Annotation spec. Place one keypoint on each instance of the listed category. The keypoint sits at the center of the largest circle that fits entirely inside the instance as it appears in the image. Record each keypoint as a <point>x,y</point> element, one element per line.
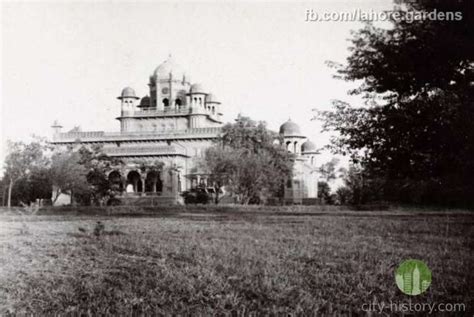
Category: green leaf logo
<point>413,277</point>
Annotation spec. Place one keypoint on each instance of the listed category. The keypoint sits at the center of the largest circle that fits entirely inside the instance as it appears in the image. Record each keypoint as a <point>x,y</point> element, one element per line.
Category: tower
<point>56,127</point>
<point>213,105</point>
<point>292,136</point>
<point>416,281</point>
<point>309,151</point>
<point>196,99</point>
<point>168,86</point>
<point>127,99</point>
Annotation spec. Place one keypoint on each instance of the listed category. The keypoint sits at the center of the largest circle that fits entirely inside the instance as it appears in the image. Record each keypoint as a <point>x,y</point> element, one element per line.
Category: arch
<point>166,102</point>
<point>213,110</point>
<point>153,182</point>
<point>296,147</point>
<point>288,143</point>
<point>115,180</point>
<point>178,102</point>
<point>135,180</point>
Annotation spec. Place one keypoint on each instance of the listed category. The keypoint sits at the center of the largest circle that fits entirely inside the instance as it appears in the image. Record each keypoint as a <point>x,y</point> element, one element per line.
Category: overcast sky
<point>69,61</point>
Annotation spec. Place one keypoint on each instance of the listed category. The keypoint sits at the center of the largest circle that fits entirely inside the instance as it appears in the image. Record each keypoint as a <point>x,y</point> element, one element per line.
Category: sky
<point>70,60</point>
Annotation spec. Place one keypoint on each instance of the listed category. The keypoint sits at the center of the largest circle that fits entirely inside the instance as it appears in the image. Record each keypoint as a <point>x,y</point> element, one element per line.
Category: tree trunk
<point>216,189</point>
<point>56,195</point>
<point>10,186</point>
<point>4,197</point>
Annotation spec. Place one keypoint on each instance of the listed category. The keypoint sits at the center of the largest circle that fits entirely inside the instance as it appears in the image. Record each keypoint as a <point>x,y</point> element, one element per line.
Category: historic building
<point>173,126</point>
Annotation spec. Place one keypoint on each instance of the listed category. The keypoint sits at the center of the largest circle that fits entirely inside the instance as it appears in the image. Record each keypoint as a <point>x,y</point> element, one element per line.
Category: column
<point>124,185</point>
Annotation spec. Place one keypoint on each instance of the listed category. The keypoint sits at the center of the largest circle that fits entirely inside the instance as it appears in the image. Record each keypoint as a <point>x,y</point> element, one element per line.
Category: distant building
<point>174,125</point>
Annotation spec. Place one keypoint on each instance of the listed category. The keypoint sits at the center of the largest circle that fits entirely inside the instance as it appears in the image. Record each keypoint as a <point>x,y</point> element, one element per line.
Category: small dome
<point>197,89</point>
<point>308,146</point>
<point>289,128</point>
<point>128,92</point>
<point>168,69</point>
<point>210,98</point>
<point>145,102</point>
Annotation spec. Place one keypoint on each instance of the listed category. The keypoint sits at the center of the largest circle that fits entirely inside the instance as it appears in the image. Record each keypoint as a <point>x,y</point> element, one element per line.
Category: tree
<point>416,129</point>
<point>68,175</point>
<point>328,170</point>
<point>97,165</point>
<point>22,160</point>
<point>324,193</point>
<point>83,173</point>
<point>343,195</point>
<point>248,161</point>
<point>35,185</point>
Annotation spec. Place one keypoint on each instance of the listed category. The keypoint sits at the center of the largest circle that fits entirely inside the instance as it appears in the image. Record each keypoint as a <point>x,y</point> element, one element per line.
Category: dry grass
<point>228,262</point>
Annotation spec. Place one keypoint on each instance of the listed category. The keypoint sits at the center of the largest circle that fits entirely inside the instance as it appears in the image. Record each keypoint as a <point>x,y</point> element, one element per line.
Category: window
<point>166,102</point>
<point>178,102</point>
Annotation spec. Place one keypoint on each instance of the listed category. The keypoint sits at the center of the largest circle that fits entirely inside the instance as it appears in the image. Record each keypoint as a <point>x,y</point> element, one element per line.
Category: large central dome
<point>169,69</point>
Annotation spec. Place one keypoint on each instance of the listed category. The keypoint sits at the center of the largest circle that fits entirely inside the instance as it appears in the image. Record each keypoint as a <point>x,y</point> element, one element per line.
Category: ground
<point>225,260</point>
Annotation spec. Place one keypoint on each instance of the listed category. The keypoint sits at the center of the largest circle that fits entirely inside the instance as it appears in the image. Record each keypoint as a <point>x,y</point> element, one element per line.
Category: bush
<point>196,196</point>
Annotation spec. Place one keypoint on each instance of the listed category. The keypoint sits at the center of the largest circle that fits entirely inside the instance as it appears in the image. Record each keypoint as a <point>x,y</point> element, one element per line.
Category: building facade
<point>171,127</point>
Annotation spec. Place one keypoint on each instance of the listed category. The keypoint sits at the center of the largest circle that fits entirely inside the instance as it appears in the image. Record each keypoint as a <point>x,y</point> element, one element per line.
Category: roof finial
<point>56,124</point>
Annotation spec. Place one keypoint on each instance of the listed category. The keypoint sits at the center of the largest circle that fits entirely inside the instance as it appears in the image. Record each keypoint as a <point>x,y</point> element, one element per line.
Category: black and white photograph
<point>237,158</point>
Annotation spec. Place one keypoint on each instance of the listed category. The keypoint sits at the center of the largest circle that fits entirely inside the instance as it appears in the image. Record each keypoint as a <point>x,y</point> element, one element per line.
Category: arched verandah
<point>115,179</point>
<point>134,179</point>
<point>153,183</point>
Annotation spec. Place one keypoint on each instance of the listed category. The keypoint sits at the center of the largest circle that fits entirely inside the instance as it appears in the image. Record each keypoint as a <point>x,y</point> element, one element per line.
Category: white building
<point>173,125</point>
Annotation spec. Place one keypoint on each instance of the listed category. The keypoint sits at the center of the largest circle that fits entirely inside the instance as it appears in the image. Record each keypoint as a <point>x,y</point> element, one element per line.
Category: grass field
<point>199,261</point>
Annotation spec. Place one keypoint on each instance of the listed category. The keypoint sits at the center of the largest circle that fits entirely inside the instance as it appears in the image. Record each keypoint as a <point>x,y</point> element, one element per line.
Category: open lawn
<point>221,261</point>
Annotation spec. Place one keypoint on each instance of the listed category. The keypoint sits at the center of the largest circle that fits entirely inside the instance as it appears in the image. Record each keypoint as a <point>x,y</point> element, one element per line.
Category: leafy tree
<point>343,195</point>
<point>328,170</point>
<point>324,193</point>
<point>98,164</point>
<point>248,161</point>
<point>68,175</point>
<point>83,173</point>
<point>22,161</point>
<point>35,185</point>
<point>416,129</point>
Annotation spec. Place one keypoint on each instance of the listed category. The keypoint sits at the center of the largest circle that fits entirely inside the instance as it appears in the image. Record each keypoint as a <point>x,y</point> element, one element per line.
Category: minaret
<point>56,128</point>
<point>214,105</point>
<point>197,102</point>
<point>127,102</point>
<point>128,99</point>
<point>197,97</point>
<point>292,136</point>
